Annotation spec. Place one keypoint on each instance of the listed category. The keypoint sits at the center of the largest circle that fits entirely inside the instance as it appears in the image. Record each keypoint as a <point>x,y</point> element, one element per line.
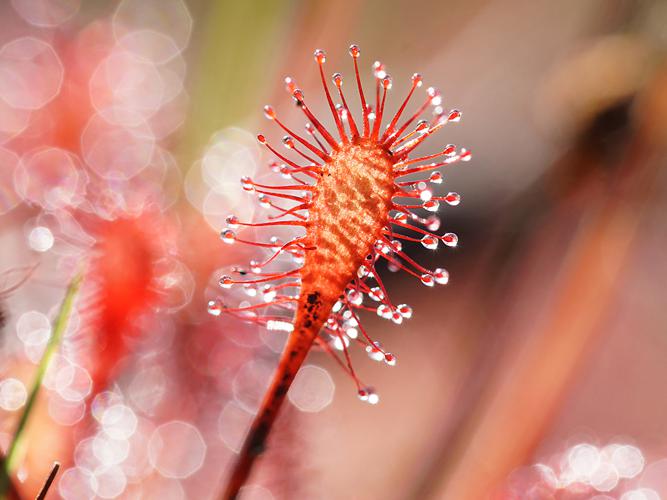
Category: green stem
<point>59,326</point>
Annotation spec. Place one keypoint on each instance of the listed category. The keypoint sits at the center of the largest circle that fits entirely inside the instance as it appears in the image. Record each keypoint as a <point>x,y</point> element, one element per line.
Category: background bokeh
<point>537,373</point>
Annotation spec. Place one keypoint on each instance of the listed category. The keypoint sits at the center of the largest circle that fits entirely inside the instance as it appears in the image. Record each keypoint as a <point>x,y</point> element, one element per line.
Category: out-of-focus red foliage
<point>124,271</point>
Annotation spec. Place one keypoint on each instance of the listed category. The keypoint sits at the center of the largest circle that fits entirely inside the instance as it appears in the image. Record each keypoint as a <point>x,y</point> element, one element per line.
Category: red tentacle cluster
<point>357,199</point>
<point>122,286</point>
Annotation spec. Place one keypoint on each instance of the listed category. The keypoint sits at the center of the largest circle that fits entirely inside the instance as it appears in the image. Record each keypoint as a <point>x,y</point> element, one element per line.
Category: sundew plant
<point>355,194</point>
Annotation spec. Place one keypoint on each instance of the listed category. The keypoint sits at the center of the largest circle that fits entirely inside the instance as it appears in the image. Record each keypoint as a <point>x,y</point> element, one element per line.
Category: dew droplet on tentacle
<point>290,84</point>
<point>247,184</point>
<point>453,199</point>
<point>320,56</point>
<point>429,241</point>
<point>465,155</point>
<point>232,221</point>
<point>228,236</point>
<point>263,201</point>
<point>426,195</point>
<point>340,343</point>
<point>435,178</point>
<point>384,311</point>
<point>432,222</point>
<point>355,297</point>
<point>374,351</point>
<point>387,82</point>
<point>269,112</point>
<point>373,398</point>
<point>431,205</point>
<point>376,294</point>
<point>401,217</point>
<point>405,310</point>
<point>450,239</point>
<point>276,242</point>
<point>441,276</point>
<point>435,95</point>
<point>379,70</point>
<point>351,332</point>
<point>393,267</point>
<point>225,281</point>
<point>269,293</point>
<point>396,317</point>
<point>297,94</point>
<point>214,307</point>
<point>427,279</point>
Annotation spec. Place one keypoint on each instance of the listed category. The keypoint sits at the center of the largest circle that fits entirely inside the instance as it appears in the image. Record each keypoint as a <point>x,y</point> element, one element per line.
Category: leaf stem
<point>59,326</point>
<point>311,314</point>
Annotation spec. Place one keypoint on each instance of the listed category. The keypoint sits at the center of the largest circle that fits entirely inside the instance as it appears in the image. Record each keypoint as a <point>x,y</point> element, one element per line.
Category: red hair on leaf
<point>355,204</point>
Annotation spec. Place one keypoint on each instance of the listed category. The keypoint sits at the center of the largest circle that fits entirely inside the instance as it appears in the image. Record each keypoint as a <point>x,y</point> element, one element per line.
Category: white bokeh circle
<point>46,13</point>
<point>31,73</point>
<point>176,449</point>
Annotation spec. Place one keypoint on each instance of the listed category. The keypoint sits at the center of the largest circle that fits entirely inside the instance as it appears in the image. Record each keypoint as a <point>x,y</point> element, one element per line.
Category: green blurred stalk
<point>233,52</point>
<point>59,326</point>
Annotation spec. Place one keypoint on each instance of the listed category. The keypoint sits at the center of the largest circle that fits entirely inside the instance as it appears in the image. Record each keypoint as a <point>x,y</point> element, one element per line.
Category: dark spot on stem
<point>282,389</point>
<point>257,444</point>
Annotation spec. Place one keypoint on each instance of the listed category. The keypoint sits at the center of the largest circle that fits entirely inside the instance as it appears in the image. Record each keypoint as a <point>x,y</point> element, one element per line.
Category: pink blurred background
<point>537,373</point>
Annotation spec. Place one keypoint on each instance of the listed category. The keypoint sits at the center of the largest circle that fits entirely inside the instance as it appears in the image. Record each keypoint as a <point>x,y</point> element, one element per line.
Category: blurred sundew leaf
<point>59,325</point>
<point>231,60</point>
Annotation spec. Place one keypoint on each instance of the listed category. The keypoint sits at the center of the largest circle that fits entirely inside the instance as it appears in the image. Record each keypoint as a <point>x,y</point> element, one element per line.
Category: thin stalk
<point>59,326</point>
<point>49,481</point>
<point>310,317</point>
